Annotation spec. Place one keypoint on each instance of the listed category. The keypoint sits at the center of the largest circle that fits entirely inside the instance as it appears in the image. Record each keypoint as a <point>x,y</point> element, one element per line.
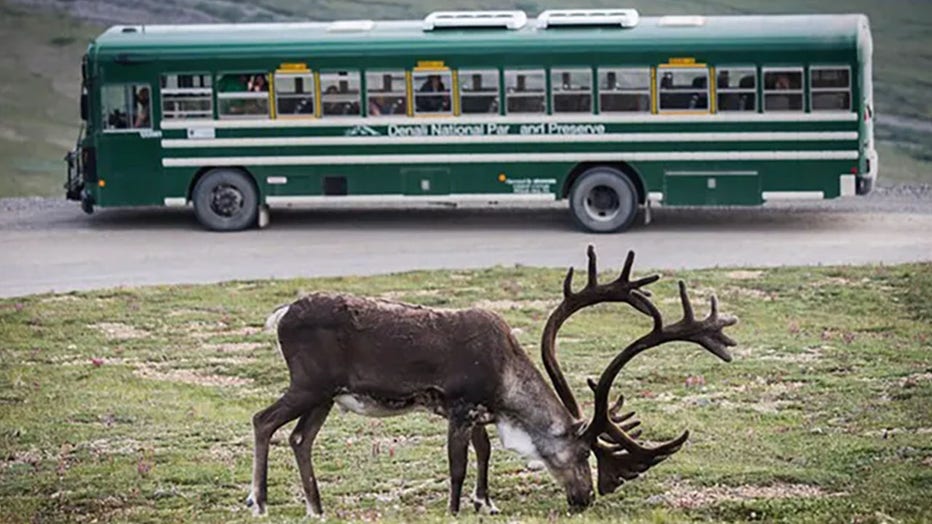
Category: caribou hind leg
<point>302,440</point>
<point>265,423</point>
<point>480,442</point>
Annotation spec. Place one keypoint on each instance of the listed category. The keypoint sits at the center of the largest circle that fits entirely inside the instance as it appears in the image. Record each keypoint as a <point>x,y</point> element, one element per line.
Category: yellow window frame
<point>655,88</point>
<point>436,66</point>
<point>294,71</point>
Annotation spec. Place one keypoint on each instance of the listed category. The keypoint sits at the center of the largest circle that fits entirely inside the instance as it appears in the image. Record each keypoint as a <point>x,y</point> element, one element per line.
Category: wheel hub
<point>602,203</point>
<point>226,200</point>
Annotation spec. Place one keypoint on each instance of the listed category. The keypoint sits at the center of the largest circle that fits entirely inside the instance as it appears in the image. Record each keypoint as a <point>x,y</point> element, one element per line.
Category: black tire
<point>603,200</point>
<point>226,200</point>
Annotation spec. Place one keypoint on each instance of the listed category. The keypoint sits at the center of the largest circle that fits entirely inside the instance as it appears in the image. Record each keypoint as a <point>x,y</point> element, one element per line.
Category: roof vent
<point>681,21</point>
<point>474,19</point>
<point>582,17</point>
<point>350,26</point>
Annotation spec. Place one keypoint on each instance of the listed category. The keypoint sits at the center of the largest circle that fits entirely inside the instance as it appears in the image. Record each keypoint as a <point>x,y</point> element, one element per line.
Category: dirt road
<point>50,245</point>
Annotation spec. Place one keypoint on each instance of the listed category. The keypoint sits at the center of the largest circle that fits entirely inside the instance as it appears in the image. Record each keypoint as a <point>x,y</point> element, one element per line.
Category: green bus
<point>612,111</point>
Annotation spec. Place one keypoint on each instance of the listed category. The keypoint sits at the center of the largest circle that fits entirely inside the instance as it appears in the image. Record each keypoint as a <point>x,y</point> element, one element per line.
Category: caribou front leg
<point>480,442</point>
<point>458,453</point>
<point>302,440</point>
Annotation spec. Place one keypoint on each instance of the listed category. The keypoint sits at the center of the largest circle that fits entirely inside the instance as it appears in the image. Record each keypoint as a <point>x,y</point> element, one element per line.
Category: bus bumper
<point>865,182</point>
<point>87,202</point>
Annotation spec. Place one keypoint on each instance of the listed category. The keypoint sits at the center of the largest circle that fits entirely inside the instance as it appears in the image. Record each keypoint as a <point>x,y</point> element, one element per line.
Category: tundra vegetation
<point>136,404</point>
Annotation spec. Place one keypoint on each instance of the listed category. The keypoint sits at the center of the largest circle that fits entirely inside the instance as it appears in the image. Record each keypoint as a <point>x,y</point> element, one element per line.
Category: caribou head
<point>610,435</point>
<point>381,358</point>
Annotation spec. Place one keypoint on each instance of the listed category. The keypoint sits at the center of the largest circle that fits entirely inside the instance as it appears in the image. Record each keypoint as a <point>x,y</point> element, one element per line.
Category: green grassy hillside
<point>134,405</point>
<point>39,81</point>
<point>39,69</point>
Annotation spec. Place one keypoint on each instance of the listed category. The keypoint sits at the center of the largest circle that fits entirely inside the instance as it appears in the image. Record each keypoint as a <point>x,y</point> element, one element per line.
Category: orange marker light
<point>502,177</point>
<point>102,183</point>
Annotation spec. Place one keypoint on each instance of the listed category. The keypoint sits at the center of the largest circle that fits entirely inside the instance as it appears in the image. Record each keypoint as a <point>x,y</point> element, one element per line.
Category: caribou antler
<point>622,289</point>
<point>620,457</point>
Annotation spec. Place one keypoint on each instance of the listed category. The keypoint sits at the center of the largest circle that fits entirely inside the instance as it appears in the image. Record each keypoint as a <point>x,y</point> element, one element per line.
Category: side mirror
<point>84,110</point>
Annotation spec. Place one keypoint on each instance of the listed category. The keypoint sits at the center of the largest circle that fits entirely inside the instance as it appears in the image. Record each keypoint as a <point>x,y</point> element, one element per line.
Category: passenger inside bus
<point>433,103</point>
<point>142,108</point>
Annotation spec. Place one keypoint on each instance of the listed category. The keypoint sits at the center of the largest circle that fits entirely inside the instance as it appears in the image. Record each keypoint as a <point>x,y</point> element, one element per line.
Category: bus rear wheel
<point>603,200</point>
<point>226,200</point>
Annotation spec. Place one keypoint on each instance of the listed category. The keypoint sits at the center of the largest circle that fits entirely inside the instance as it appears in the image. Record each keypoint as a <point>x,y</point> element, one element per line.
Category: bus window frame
<point>758,80</point>
<point>461,75</point>
<point>321,74</point>
<point>405,92</point>
<point>609,92</point>
<point>209,91</point>
<point>270,95</point>
<point>526,94</point>
<point>813,90</point>
<point>273,91</point>
<point>559,70</point>
<point>124,130</point>
<point>801,91</point>
<point>709,91</point>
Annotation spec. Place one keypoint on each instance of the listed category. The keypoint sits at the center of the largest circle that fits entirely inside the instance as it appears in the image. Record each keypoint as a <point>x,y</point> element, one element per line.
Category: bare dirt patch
<point>511,305</point>
<point>401,294</point>
<point>186,376</point>
<point>235,347</point>
<point>744,274</point>
<point>119,330</point>
<point>684,496</point>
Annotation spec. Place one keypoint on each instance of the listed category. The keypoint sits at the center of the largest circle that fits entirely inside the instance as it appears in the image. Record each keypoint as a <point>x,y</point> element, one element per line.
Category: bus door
<point>128,146</point>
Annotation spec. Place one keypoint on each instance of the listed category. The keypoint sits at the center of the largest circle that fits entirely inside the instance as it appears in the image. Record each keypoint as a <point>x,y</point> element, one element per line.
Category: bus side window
<point>386,93</point>
<point>783,89</point>
<point>830,88</point>
<point>684,88</point>
<point>243,95</point>
<point>294,94</point>
<point>478,91</point>
<point>339,93</point>
<point>571,90</point>
<point>433,92</point>
<point>624,89</point>
<point>126,106</point>
<point>187,96</point>
<point>736,88</point>
<point>525,91</point>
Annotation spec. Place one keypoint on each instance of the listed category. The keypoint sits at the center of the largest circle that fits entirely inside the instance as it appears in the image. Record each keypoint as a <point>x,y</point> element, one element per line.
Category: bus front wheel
<point>225,200</point>
<point>603,200</point>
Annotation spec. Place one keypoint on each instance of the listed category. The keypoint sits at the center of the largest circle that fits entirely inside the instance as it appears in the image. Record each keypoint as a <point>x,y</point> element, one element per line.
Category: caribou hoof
<point>484,505</point>
<point>258,510</point>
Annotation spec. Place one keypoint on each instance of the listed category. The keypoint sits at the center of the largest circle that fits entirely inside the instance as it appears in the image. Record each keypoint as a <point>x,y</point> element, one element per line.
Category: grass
<point>40,68</point>
<point>135,404</point>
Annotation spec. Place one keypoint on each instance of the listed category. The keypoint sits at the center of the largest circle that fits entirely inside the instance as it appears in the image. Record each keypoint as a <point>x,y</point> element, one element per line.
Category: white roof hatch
<point>625,18</point>
<point>474,19</point>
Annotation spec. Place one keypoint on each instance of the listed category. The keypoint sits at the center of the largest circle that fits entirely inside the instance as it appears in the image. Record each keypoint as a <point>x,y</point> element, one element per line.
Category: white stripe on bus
<point>792,195</point>
<point>178,143</point>
<point>473,158</point>
<point>641,118</point>
<point>273,200</point>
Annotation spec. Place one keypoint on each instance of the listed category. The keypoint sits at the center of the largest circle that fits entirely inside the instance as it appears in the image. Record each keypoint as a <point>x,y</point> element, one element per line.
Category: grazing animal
<point>379,358</point>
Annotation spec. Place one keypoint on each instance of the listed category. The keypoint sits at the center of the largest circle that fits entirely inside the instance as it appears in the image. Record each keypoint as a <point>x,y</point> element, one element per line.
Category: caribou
<point>381,358</point>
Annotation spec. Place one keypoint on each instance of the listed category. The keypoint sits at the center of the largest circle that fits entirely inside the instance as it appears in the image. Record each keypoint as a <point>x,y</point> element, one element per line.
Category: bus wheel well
<point>204,170</point>
<point>624,167</point>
